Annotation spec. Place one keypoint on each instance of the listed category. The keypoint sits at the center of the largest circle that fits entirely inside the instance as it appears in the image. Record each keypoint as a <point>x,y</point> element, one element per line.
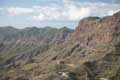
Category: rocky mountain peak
<point>95,31</point>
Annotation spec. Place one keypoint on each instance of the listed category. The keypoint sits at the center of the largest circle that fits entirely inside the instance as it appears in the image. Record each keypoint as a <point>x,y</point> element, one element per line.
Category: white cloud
<point>111,12</point>
<point>78,13</point>
<point>70,10</point>
<point>40,17</point>
<point>48,16</point>
<point>1,9</point>
<point>47,13</point>
<point>75,11</point>
<point>19,10</point>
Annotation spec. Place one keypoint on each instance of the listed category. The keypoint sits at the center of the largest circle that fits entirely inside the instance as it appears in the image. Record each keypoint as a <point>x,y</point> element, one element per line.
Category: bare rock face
<point>94,31</point>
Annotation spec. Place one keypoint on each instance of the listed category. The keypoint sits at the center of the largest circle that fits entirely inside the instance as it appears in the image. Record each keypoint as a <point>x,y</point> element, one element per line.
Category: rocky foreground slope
<point>91,52</point>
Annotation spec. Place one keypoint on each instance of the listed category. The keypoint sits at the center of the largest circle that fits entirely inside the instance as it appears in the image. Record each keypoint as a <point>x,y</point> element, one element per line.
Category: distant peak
<point>64,28</point>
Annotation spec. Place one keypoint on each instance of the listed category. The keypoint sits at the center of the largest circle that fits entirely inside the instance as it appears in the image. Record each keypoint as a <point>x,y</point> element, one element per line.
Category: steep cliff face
<point>96,43</point>
<point>98,31</point>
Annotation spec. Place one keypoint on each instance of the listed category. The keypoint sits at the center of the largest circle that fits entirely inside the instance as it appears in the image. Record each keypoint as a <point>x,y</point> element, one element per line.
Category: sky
<point>54,13</point>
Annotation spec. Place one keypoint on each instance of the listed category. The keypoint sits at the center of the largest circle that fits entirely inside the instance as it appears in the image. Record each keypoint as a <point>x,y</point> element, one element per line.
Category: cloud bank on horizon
<point>18,12</point>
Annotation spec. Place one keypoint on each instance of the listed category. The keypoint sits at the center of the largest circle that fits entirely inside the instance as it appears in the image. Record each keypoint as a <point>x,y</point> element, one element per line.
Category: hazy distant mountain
<point>91,52</point>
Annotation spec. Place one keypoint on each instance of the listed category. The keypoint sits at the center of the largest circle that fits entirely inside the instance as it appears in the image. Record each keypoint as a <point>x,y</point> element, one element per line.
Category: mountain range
<point>90,52</point>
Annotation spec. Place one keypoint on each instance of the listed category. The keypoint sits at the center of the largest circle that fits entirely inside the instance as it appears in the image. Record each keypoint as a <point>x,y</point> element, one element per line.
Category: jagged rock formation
<point>91,52</point>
